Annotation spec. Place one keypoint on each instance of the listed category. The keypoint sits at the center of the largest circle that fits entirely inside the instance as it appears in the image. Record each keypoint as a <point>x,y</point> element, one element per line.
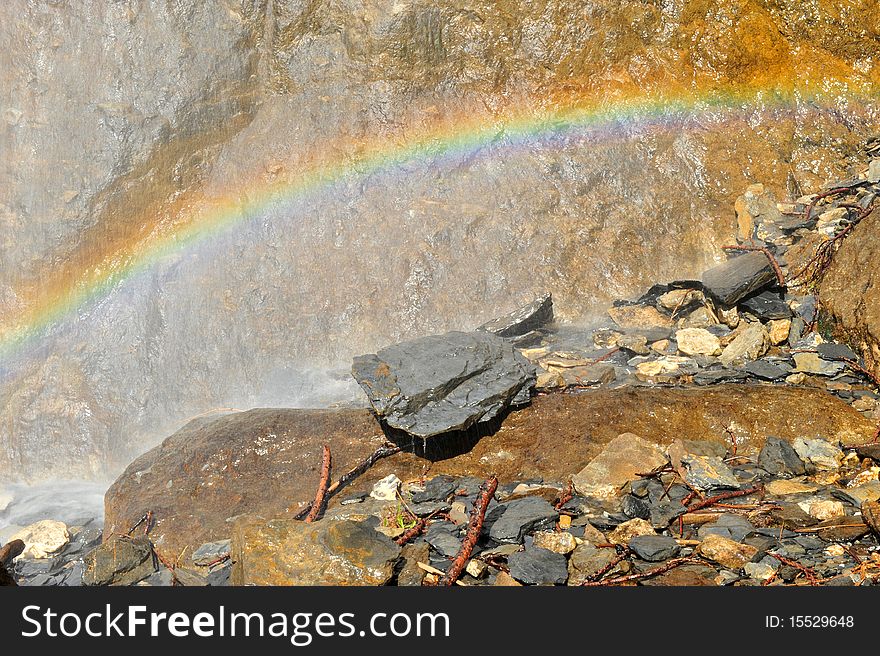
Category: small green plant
<point>399,517</point>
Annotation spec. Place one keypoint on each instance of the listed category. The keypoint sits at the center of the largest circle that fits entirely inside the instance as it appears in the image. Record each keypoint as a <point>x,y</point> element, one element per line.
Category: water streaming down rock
<point>205,204</point>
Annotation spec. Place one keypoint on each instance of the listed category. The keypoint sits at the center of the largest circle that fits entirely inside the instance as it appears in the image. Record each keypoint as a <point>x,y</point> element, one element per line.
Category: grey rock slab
<point>766,306</point>
<point>444,540</point>
<point>439,383</point>
<point>733,280</point>
<point>537,566</point>
<point>708,472</point>
<point>437,489</point>
<point>511,521</point>
<point>211,552</point>
<point>520,322</point>
<point>654,548</point>
<point>728,525</point>
<point>778,457</point>
<point>766,370</point>
<point>834,351</point>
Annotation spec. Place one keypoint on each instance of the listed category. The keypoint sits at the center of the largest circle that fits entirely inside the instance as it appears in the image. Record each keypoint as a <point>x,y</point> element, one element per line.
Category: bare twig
<point>382,452</point>
<point>668,565</point>
<point>722,497</point>
<point>780,277</point>
<point>323,486</point>
<point>475,525</point>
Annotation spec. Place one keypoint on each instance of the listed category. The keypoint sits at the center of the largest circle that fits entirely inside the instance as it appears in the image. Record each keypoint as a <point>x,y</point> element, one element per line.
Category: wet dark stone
<point>536,566</point>
<point>716,376</point>
<point>663,514</point>
<point>779,458</point>
<point>766,370</point>
<point>833,351</point>
<point>510,521</point>
<point>728,525</point>
<point>220,576</point>
<point>766,306</point>
<point>429,508</point>
<point>444,539</point>
<point>442,383</point>
<point>526,319</point>
<point>654,548</point>
<point>733,280</point>
<point>438,488</point>
<point>632,506</point>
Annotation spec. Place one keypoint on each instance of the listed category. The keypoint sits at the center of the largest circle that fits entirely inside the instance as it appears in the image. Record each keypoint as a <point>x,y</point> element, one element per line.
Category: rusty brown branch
<point>811,575</point>
<point>669,565</point>
<point>382,452</point>
<point>780,277</point>
<point>323,486</point>
<point>475,525</point>
<point>610,565</point>
<point>722,497</point>
<point>409,534</point>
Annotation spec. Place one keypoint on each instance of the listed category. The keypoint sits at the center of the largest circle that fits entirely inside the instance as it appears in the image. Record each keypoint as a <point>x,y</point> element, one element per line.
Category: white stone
<point>822,510</point>
<point>42,539</point>
<point>386,489</point>
<point>821,454</point>
<point>697,341</point>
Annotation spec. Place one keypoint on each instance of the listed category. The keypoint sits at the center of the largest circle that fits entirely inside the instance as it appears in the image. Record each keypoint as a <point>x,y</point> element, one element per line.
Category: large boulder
<point>850,291</point>
<point>441,383</point>
<point>267,462</point>
<point>296,182</point>
<point>289,552</point>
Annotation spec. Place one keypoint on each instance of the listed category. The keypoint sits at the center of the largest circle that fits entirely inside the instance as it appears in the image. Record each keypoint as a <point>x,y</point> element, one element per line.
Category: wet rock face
<point>267,462</point>
<point>850,292</point>
<point>441,383</point>
<point>288,552</point>
<point>110,147</point>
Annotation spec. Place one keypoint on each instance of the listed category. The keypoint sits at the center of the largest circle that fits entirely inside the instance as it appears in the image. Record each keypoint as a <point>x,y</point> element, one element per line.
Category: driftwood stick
<point>323,485</point>
<point>410,533</point>
<point>475,525</point>
<point>382,452</point>
<point>705,503</point>
<point>671,564</point>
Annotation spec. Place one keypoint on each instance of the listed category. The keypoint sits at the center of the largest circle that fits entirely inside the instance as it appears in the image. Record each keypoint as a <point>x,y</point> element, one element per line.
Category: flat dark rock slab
<point>536,566</point>
<point>732,281</point>
<point>520,322</point>
<point>766,306</point>
<point>442,383</point>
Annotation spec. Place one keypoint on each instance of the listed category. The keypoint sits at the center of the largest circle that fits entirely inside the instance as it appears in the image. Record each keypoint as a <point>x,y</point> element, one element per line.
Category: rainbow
<point>454,138</point>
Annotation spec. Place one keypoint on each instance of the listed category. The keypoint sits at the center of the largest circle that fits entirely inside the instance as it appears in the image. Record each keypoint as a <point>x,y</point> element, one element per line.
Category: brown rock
<point>218,101</point>
<point>620,461</point>
<point>726,552</point>
<point>326,552</point>
<point>266,461</point>
<point>871,515</point>
<point>841,529</point>
<point>850,291</point>
<point>506,580</point>
<point>639,316</point>
<point>410,574</point>
<point>623,533</point>
<point>686,575</point>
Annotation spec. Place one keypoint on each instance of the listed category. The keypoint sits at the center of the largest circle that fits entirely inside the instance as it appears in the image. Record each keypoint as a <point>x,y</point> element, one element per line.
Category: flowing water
<point>216,205</point>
